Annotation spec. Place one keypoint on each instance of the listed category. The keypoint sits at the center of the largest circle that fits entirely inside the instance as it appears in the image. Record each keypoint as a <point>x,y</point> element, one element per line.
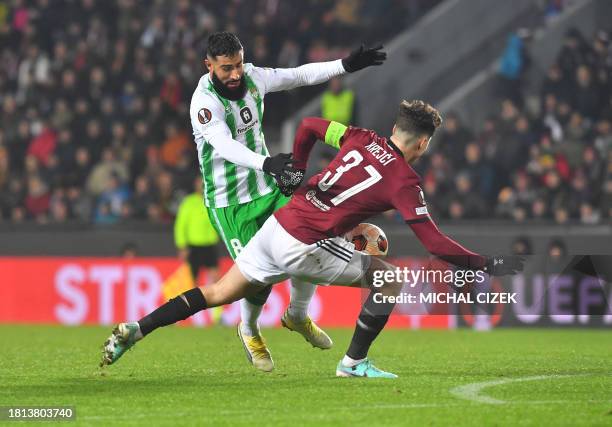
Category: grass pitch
<point>183,376</point>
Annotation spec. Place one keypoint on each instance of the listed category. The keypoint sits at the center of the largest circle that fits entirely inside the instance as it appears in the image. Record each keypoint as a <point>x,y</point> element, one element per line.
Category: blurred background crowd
<point>95,95</point>
<point>546,154</point>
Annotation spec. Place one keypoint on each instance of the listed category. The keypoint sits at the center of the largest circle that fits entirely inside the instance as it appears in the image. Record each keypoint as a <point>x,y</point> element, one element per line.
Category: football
<point>369,238</point>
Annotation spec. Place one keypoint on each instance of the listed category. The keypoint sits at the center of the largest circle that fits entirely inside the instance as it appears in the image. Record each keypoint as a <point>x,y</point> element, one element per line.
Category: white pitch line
<point>472,391</point>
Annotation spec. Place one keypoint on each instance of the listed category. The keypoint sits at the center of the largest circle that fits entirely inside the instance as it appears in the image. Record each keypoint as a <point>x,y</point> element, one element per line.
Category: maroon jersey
<point>368,176</point>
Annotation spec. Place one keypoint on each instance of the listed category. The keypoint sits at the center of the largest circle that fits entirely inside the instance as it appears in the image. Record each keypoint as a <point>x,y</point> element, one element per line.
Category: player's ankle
<point>249,329</point>
<point>298,314</point>
<point>349,362</point>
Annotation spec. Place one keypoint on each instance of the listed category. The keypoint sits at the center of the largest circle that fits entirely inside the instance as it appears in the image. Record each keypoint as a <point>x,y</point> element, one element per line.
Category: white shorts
<point>273,255</point>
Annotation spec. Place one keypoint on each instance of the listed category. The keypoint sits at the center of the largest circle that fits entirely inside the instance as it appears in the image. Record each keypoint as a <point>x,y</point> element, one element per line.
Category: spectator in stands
<point>606,199</point>
<point>525,194</point>
<point>512,154</point>
<point>467,203</point>
<point>37,199</point>
<point>513,64</point>
<point>5,173</point>
<point>557,250</point>
<point>129,250</point>
<point>522,245</point>
<point>481,173</point>
<point>78,78</point>
<point>586,96</point>
<point>575,51</point>
<point>539,210</point>
<point>167,198</point>
<point>58,206</point>
<point>105,171</point>
<point>555,84</point>
<point>603,136</point>
<point>142,197</point>
<point>43,144</point>
<point>14,200</point>
<point>175,145</point>
<point>453,139</point>
<point>113,198</point>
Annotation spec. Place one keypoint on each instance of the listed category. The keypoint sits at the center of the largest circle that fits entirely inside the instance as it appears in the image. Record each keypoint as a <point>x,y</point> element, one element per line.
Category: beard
<point>233,94</point>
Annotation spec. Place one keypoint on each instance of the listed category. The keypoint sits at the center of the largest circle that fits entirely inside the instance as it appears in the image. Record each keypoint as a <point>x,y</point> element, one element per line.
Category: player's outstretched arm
<point>277,79</point>
<point>363,57</point>
<point>442,246</point>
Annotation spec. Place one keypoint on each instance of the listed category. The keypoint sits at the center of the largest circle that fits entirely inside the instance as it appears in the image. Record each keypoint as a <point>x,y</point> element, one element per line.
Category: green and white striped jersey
<point>229,134</point>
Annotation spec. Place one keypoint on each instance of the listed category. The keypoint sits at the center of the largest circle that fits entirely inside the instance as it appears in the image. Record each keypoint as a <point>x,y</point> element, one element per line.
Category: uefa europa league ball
<point>368,238</point>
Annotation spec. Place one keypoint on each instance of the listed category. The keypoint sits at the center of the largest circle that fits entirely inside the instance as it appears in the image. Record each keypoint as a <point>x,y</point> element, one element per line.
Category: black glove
<point>288,185</point>
<point>287,178</point>
<point>504,265</point>
<point>362,57</point>
<point>277,165</point>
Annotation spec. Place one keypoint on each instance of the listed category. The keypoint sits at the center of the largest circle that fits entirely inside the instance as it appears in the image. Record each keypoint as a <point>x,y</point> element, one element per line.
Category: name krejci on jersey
<point>380,154</point>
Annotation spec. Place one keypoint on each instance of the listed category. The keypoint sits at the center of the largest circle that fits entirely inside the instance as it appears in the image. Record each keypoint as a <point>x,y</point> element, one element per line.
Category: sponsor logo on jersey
<point>246,115</point>
<point>245,129</point>
<point>312,198</point>
<point>204,116</point>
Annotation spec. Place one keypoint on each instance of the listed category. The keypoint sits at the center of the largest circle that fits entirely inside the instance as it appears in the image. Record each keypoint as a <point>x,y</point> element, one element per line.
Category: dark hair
<point>223,44</point>
<point>525,242</point>
<point>128,247</point>
<point>418,118</point>
<point>559,243</point>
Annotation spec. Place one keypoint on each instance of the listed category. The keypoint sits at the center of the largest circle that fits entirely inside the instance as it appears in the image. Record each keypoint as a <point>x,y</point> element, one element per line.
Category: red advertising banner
<point>75,291</point>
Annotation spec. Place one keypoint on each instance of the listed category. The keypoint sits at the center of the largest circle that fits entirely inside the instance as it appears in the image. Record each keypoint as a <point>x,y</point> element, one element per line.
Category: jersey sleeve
<point>312,129</point>
<point>409,200</point>
<point>277,79</point>
<point>208,120</point>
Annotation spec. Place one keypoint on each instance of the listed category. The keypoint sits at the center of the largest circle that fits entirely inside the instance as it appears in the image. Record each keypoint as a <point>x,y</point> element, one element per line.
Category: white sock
<point>349,362</point>
<point>301,294</point>
<point>138,335</point>
<point>249,314</point>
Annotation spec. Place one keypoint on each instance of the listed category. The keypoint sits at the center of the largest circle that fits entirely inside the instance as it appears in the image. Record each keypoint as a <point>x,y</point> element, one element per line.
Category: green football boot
<point>121,340</point>
<point>364,369</point>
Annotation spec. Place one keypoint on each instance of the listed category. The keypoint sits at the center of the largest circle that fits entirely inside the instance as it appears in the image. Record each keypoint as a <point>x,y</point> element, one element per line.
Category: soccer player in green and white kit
<point>240,191</point>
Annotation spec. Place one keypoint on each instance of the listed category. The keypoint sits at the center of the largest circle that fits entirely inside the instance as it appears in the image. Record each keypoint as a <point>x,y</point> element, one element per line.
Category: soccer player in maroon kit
<point>369,175</point>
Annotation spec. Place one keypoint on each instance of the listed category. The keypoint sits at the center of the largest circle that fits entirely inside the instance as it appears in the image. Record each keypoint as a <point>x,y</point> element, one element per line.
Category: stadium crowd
<point>545,160</point>
<point>95,94</point>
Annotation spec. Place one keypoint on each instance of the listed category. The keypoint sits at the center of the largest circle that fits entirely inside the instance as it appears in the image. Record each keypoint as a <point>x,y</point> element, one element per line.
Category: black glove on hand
<point>290,182</point>
<point>362,58</point>
<point>287,178</point>
<point>504,265</point>
<point>277,165</point>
